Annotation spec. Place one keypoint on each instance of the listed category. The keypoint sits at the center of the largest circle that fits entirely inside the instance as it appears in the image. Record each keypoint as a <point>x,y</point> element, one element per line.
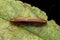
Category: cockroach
<point>22,20</point>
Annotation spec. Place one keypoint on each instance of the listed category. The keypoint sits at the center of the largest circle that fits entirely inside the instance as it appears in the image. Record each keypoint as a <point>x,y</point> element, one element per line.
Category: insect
<point>22,20</point>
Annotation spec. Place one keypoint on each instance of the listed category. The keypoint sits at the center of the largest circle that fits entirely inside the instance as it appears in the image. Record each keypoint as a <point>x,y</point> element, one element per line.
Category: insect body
<point>22,20</point>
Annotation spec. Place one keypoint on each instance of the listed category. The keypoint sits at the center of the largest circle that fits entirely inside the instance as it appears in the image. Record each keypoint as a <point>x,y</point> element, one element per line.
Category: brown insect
<point>21,20</point>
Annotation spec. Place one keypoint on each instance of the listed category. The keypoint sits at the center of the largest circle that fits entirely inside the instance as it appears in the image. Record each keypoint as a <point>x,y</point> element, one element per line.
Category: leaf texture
<point>10,9</point>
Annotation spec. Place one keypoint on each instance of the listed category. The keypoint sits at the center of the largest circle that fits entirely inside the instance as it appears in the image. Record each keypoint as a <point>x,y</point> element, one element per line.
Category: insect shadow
<point>28,24</point>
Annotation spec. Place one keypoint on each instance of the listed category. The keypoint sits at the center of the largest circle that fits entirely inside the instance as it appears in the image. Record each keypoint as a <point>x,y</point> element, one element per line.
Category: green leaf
<point>10,9</point>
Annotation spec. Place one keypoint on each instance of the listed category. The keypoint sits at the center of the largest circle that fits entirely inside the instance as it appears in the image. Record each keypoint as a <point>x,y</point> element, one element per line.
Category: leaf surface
<point>10,9</point>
